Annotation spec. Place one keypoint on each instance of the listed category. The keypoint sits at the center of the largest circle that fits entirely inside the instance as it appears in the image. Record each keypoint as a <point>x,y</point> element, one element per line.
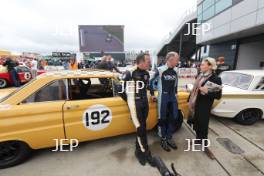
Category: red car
<point>24,76</point>
<point>41,71</point>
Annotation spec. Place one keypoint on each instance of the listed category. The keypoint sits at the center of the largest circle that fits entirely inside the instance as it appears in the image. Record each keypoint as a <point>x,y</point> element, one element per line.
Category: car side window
<point>90,88</point>
<point>260,85</point>
<point>55,91</point>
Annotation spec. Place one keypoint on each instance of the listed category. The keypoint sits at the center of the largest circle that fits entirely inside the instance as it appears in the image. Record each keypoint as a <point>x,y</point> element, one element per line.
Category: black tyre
<point>248,116</point>
<point>13,153</point>
<point>177,126</point>
<point>3,83</point>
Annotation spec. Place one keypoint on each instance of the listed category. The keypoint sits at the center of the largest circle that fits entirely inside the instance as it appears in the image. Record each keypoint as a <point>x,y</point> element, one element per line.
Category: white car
<point>243,96</point>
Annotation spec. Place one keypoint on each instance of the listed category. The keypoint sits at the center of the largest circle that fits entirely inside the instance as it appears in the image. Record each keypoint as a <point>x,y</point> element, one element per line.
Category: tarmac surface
<point>239,151</point>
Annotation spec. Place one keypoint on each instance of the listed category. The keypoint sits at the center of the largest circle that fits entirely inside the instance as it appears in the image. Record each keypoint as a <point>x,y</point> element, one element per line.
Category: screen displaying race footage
<point>106,38</point>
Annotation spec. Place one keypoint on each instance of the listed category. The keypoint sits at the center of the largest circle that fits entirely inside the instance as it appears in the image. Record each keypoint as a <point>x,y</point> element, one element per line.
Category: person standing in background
<point>81,65</point>
<point>34,67</point>
<point>107,64</point>
<point>221,65</point>
<point>66,65</point>
<point>42,64</point>
<point>73,64</point>
<point>11,67</point>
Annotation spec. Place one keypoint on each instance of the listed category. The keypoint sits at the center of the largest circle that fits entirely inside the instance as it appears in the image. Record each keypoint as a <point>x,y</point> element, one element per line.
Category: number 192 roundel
<point>97,117</point>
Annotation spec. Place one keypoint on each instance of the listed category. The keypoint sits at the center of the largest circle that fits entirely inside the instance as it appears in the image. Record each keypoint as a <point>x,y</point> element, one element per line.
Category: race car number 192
<point>97,117</point>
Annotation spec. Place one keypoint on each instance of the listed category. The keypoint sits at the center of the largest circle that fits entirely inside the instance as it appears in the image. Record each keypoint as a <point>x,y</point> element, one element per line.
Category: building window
<point>199,18</point>
<point>207,4</point>
<point>208,13</point>
<point>205,49</point>
<point>200,9</point>
<point>222,5</point>
<point>209,8</point>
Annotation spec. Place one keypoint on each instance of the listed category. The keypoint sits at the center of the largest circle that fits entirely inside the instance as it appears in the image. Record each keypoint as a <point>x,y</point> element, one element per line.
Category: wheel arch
<point>17,140</point>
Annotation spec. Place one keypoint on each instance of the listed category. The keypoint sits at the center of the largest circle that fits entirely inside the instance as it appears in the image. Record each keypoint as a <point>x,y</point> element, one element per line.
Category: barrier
<point>53,68</point>
<point>187,72</point>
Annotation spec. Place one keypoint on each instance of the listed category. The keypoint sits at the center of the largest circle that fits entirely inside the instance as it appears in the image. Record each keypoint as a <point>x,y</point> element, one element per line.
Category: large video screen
<point>105,38</point>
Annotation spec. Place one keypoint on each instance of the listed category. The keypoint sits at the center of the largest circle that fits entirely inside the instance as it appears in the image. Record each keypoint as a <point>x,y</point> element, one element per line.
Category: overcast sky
<point>52,25</point>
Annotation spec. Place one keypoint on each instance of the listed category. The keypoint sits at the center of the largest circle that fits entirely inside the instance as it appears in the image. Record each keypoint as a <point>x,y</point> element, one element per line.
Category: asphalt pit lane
<point>230,146</point>
<point>120,154</point>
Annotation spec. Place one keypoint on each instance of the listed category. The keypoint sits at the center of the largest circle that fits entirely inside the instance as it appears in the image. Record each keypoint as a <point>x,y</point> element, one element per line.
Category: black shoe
<point>172,144</point>
<point>150,159</point>
<point>164,145</point>
<point>140,157</point>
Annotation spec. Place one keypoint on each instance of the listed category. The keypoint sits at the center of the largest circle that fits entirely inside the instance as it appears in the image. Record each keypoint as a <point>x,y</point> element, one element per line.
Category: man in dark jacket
<point>107,64</point>
<point>221,65</point>
<point>11,67</point>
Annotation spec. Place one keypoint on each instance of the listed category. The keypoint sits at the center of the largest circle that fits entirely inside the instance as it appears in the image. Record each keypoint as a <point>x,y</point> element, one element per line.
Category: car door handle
<point>71,107</point>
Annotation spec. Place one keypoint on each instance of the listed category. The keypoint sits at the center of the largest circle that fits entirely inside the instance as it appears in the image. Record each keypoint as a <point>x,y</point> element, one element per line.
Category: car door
<point>94,111</point>
<point>37,120</point>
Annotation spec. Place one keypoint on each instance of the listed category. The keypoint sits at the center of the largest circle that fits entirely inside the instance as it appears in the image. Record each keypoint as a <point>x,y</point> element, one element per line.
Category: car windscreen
<point>238,80</point>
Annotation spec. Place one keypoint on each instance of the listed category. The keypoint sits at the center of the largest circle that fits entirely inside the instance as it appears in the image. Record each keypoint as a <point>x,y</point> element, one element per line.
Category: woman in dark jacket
<point>202,98</point>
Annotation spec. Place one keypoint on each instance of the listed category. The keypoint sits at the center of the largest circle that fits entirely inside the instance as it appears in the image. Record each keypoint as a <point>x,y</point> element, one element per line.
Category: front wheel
<point>177,124</point>
<point>13,153</point>
<point>248,116</point>
<point>3,83</point>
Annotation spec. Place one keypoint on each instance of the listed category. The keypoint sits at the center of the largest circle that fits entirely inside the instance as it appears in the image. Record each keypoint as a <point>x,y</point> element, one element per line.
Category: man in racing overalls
<point>137,81</point>
<point>167,100</point>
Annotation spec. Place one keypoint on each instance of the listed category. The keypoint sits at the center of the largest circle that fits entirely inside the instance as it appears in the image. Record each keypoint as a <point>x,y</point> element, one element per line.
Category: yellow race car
<point>81,104</point>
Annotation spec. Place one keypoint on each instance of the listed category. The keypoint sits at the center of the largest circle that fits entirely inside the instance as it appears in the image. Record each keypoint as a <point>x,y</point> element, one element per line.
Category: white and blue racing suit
<point>167,100</point>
